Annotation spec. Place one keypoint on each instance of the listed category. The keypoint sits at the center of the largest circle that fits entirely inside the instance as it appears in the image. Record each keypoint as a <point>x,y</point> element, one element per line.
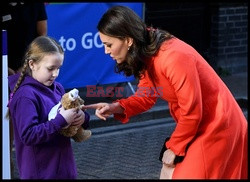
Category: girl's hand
<point>69,114</point>
<point>79,118</point>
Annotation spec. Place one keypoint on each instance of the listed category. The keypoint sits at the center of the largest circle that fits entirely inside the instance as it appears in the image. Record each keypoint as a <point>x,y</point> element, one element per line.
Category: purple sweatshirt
<point>41,152</point>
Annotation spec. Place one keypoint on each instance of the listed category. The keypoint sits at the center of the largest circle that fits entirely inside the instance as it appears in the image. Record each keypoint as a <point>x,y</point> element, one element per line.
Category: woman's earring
<point>128,48</point>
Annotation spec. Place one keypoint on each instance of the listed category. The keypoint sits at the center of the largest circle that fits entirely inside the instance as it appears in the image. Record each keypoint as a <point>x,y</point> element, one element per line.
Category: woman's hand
<point>168,158</point>
<point>104,110</point>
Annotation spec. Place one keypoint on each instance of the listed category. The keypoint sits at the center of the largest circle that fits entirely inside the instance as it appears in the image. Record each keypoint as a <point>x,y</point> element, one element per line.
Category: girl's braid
<point>19,81</point>
<point>22,74</point>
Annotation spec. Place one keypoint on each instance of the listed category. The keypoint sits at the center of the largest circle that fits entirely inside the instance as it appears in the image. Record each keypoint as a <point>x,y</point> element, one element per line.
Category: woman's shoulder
<point>173,44</point>
<point>175,48</point>
<point>174,53</point>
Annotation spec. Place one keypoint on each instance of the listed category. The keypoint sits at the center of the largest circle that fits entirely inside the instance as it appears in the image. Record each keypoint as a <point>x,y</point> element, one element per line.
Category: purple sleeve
<point>31,129</point>
<point>85,125</point>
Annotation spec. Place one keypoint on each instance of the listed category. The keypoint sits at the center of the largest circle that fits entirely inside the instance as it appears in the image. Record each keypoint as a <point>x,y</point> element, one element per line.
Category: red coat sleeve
<point>181,71</point>
<point>141,101</point>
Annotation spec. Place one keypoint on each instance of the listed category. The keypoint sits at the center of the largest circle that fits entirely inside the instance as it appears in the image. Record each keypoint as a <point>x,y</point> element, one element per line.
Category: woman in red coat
<point>211,130</point>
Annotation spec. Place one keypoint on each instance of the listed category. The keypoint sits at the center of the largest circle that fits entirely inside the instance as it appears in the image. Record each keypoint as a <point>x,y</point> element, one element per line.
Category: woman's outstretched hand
<point>104,110</point>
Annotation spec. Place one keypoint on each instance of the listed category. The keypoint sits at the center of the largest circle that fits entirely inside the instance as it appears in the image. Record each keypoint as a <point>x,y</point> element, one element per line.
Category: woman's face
<point>47,69</point>
<point>117,48</point>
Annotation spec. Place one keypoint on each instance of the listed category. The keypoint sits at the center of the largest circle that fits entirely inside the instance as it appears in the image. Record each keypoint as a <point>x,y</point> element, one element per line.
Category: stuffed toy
<point>70,100</point>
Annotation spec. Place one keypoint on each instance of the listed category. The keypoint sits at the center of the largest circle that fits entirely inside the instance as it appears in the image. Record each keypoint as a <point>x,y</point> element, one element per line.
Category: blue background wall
<point>73,25</point>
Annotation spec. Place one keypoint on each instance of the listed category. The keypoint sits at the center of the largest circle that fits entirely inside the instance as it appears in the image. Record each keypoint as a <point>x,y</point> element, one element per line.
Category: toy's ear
<point>81,100</point>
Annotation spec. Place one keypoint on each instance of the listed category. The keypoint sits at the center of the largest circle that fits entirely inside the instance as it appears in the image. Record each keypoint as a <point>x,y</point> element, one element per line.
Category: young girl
<point>41,152</point>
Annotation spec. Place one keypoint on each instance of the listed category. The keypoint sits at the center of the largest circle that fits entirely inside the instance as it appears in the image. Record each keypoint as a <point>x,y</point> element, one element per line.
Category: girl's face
<point>117,48</point>
<point>47,69</point>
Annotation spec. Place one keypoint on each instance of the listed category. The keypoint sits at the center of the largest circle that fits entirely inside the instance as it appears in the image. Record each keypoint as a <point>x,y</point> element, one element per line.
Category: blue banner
<point>73,25</point>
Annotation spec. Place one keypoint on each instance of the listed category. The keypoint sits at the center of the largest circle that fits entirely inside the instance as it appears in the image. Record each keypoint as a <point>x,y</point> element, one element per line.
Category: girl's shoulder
<point>59,88</point>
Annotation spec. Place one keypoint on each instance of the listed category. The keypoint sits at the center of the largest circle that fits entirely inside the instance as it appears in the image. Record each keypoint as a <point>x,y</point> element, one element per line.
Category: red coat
<point>211,130</point>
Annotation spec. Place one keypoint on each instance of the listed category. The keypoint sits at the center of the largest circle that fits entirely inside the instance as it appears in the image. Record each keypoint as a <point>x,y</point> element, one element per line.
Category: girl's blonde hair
<point>38,48</point>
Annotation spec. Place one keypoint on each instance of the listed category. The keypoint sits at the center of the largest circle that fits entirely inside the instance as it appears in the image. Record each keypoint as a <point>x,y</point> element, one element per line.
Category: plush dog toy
<point>70,100</point>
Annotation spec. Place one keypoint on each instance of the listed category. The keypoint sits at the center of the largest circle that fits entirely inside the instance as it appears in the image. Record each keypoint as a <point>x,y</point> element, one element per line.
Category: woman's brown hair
<point>122,22</point>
